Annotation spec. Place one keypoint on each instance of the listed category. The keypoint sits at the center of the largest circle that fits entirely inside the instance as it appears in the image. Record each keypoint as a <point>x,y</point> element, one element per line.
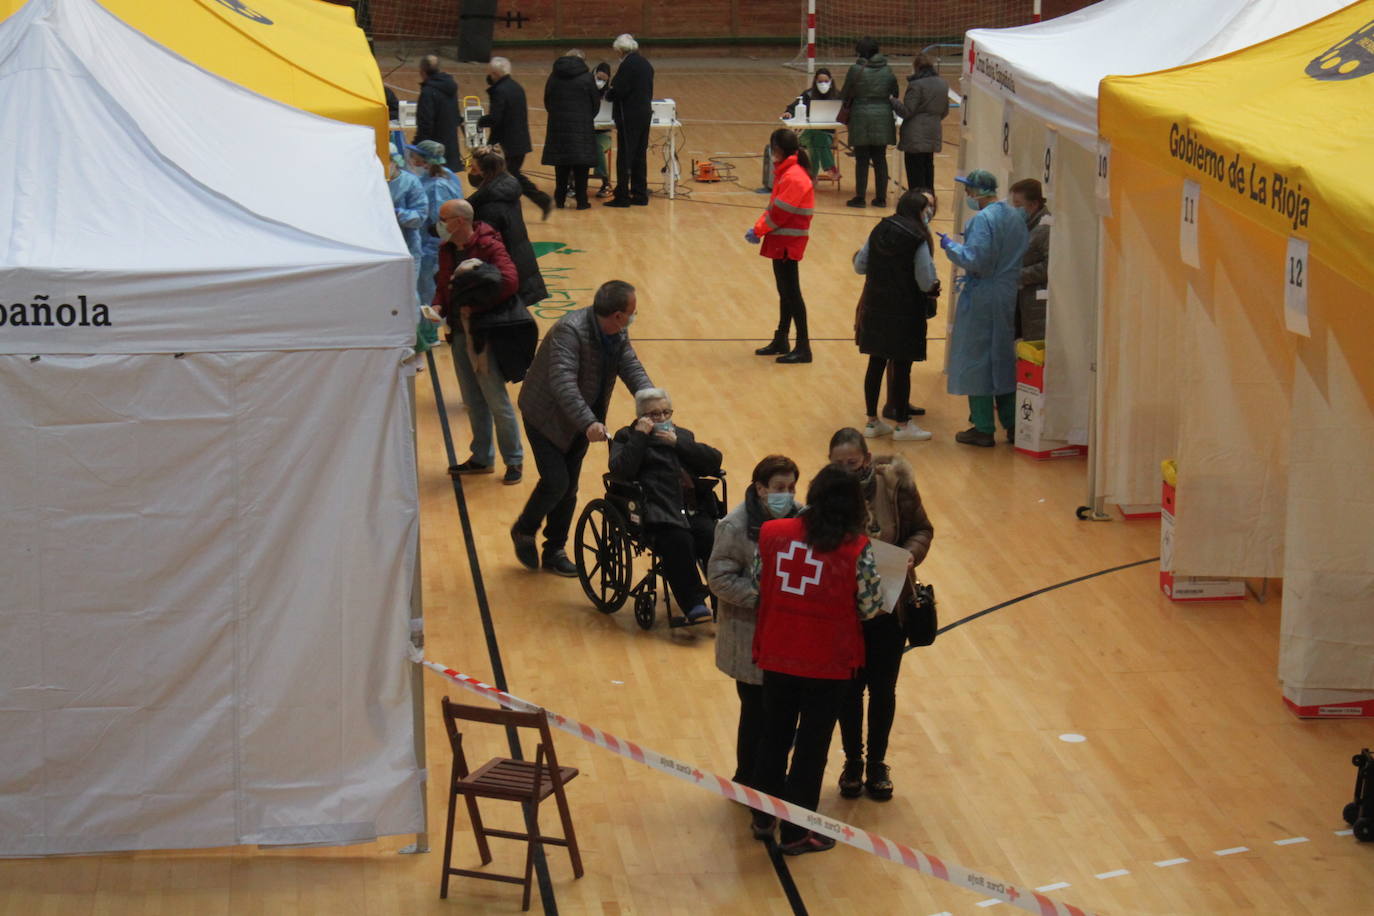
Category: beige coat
<point>730,576</point>
<point>895,512</point>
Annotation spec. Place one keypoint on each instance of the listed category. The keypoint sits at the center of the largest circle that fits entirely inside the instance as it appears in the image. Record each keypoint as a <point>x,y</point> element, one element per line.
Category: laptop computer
<point>823,109</point>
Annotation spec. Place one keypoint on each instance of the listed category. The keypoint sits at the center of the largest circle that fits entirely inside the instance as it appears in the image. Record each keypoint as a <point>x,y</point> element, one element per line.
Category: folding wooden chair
<point>523,781</point>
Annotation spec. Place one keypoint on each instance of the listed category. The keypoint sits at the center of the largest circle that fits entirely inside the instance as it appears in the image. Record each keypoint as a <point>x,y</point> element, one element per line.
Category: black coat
<point>665,472</point>
<point>497,203</point>
<point>571,100</point>
<point>892,313</point>
<point>509,117</point>
<point>436,116</point>
<point>632,91</point>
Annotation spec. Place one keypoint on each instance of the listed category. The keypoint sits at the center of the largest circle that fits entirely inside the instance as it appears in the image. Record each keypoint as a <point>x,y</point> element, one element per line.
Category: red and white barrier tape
<point>1024,898</point>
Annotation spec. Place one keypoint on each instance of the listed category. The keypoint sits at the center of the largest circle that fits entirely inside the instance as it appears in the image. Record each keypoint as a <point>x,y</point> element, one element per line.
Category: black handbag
<point>920,623</point>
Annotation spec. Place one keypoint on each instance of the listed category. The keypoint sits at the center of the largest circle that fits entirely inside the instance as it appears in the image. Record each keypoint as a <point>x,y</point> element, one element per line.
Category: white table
<point>894,161</point>
<point>670,176</point>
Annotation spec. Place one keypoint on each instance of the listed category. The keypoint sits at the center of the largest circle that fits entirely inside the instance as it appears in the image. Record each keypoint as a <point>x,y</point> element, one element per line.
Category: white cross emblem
<point>798,565</point>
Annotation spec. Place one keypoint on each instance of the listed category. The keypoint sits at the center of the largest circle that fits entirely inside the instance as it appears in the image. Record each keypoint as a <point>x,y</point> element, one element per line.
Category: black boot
<point>801,353</point>
<point>776,348</point>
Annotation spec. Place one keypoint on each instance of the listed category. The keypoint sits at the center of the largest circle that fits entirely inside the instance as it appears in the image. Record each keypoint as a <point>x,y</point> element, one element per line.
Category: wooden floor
<point>1188,747</point>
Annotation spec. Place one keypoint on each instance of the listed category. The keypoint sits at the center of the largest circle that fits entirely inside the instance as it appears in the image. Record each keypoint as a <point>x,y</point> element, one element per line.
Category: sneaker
<point>974,436</point>
<point>911,431</point>
<point>875,428</point>
<point>513,474</point>
<point>557,562</point>
<point>525,551</point>
<point>879,782</point>
<point>430,314</point>
<point>699,613</point>
<point>812,842</point>
<point>852,778</point>
<point>470,467</point>
<point>604,191</point>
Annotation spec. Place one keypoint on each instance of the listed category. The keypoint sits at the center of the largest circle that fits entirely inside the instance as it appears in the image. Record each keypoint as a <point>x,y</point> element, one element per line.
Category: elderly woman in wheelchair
<point>660,496</point>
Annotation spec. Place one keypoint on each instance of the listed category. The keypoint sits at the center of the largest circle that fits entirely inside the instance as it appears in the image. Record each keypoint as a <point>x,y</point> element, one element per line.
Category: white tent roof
<point>1053,68</point>
<point>262,227</point>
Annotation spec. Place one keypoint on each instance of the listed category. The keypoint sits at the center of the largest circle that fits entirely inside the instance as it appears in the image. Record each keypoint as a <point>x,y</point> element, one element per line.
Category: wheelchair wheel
<point>603,554</point>
<point>645,605</point>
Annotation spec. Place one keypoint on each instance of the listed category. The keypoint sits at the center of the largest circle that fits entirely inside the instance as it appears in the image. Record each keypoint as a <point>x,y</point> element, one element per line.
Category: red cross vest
<point>808,625</point>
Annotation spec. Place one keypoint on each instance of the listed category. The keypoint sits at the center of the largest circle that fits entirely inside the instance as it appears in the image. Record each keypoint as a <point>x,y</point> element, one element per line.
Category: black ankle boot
<point>776,348</point>
<point>879,782</point>
<point>801,353</point>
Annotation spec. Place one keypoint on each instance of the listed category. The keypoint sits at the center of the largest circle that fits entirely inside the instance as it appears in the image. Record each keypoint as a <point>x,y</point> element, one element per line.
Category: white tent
<point>1030,111</point>
<point>208,514</point>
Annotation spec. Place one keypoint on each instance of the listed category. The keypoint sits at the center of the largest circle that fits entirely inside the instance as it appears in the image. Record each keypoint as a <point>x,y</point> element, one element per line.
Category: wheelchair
<point>608,538</point>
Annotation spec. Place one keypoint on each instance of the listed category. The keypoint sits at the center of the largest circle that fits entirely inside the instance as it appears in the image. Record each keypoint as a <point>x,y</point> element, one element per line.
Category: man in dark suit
<point>509,122</point>
<point>436,113</point>
<point>631,94</point>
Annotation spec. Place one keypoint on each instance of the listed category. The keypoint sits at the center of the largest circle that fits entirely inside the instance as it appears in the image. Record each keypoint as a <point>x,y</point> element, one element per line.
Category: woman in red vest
<point>784,228</point>
<point>817,580</point>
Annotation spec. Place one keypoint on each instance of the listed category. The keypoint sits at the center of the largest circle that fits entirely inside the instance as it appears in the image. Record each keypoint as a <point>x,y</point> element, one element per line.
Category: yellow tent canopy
<point>1235,323</point>
<point>305,53</point>
<point>1279,131</point>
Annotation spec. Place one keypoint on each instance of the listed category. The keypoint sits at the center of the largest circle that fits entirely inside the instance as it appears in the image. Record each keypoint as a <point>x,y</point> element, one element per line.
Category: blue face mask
<point>780,504</point>
<point>665,427</point>
<point>973,203</point>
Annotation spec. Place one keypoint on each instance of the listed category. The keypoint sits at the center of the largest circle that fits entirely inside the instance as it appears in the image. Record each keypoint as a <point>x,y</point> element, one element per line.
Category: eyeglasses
<point>664,414</point>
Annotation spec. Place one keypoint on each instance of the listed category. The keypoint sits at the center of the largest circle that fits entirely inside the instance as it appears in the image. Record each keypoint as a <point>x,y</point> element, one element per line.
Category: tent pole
<point>417,673</point>
<point>1095,510</point>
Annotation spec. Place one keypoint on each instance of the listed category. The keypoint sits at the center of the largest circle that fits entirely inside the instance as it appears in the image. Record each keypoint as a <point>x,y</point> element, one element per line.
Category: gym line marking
<point>1232,851</point>
<point>1346,832</point>
<point>1292,840</point>
<point>1169,863</point>
<point>1058,885</point>
<point>1112,874</point>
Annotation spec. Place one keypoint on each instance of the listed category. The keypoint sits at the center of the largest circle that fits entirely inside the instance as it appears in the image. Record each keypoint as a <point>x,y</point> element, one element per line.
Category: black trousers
<point>877,155</point>
<point>791,305</point>
<point>555,495</point>
<point>898,372</point>
<point>680,551</point>
<point>632,161</point>
<point>749,732</point>
<point>513,165</point>
<point>920,170</point>
<point>574,176</point>
<point>798,715</point>
<point>883,641</point>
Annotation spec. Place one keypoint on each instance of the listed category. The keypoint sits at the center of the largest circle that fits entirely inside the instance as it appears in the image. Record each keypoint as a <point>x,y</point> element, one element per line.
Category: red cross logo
<point>848,834</point>
<point>1012,893</point>
<point>798,565</point>
<point>697,774</point>
<point>971,57</point>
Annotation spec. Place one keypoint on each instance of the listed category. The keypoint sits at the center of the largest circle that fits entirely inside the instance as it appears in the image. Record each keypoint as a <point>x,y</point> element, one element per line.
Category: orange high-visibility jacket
<point>786,224</point>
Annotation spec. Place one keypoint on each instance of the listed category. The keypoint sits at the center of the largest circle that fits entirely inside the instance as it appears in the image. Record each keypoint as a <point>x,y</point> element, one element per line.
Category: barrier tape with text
<point>1023,898</point>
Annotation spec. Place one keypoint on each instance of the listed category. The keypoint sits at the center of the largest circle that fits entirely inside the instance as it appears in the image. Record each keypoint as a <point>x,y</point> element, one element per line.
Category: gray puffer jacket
<point>565,390</point>
<point>922,109</point>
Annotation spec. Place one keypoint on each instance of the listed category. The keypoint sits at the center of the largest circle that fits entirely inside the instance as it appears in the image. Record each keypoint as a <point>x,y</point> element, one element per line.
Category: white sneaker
<point>430,315</point>
<point>876,428</point>
<point>911,431</point>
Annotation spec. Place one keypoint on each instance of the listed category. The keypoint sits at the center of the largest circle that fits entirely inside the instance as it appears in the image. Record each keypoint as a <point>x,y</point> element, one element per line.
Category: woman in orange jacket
<point>783,229</point>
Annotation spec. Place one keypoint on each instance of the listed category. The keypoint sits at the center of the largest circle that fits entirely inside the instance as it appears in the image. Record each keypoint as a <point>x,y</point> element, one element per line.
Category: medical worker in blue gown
<point>440,184</point>
<point>982,345</point>
<point>408,200</point>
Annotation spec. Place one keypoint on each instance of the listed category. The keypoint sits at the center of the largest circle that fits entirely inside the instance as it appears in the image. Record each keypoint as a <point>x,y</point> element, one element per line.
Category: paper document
<point>892,562</point>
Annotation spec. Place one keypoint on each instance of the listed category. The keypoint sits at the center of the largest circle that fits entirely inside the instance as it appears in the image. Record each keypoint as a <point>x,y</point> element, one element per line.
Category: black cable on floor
<point>789,887</point>
<point>498,671</point>
<point>1039,591</point>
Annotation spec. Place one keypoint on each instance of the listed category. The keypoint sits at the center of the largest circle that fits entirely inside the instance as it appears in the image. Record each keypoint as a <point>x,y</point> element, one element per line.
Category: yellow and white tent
<point>305,53</point>
<point>1237,320</point>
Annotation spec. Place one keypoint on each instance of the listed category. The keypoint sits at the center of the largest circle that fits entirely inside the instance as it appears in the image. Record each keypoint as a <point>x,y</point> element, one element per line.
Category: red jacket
<point>485,245</point>
<point>786,224</point>
<point>808,614</point>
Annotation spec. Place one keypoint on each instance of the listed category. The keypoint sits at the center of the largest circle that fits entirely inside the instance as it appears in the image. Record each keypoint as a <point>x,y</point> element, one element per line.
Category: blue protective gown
<point>408,199</point>
<point>982,345</point>
<point>438,190</point>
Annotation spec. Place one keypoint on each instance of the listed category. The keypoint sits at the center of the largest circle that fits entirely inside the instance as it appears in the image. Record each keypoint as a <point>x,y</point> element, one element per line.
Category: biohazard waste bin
<point>1185,588</point>
<point>1030,406</point>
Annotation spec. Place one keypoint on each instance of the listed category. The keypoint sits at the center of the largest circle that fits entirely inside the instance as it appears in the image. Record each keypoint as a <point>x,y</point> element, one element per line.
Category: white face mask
<point>601,84</point>
<point>631,320</point>
<point>442,228</point>
<point>925,215</point>
<point>822,87</point>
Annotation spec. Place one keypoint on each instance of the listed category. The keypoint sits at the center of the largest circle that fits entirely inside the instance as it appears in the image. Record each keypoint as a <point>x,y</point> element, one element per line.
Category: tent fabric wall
<point>188,653</point>
<point>1273,428</point>
<point>208,512</point>
<point>305,53</point>
<point>1045,77</point>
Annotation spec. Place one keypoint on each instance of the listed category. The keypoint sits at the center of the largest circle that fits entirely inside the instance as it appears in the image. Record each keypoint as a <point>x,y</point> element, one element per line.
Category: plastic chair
<point>503,778</point>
